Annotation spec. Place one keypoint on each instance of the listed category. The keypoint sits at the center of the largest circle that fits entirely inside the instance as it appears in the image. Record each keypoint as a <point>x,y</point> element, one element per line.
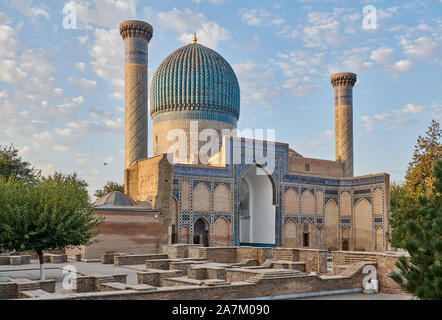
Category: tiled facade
<point>307,202</point>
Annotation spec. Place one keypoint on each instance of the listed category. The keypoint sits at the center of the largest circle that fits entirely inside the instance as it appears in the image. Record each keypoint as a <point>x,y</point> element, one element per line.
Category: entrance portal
<point>201,232</point>
<point>257,208</point>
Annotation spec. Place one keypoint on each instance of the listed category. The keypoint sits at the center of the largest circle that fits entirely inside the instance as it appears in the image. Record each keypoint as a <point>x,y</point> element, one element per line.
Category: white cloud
<point>212,1</point>
<point>329,28</point>
<point>108,58</point>
<point>104,123</point>
<point>25,7</point>
<point>69,109</point>
<point>43,139</point>
<point>4,19</point>
<point>257,82</point>
<point>259,16</point>
<point>327,133</point>
<point>94,171</point>
<point>89,86</point>
<point>81,66</point>
<point>423,48</point>
<point>108,13</point>
<point>8,43</point>
<point>382,55</point>
<point>110,122</point>
<point>298,62</point>
<point>437,109</point>
<point>395,117</point>
<point>10,72</point>
<point>109,160</point>
<point>83,39</point>
<point>60,148</point>
<point>187,22</point>
<point>294,87</point>
<point>310,148</point>
<point>410,108</point>
<point>400,67</point>
<point>300,67</point>
<point>356,64</point>
<point>38,62</point>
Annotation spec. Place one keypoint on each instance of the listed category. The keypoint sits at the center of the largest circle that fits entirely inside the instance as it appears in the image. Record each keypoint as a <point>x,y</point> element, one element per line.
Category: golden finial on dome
<point>194,38</point>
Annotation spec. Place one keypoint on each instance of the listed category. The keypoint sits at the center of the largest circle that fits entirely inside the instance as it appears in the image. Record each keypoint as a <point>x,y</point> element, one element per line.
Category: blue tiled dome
<point>197,82</point>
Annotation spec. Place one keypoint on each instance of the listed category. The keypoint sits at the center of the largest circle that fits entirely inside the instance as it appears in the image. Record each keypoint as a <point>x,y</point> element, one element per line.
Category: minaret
<point>136,35</point>
<point>343,84</point>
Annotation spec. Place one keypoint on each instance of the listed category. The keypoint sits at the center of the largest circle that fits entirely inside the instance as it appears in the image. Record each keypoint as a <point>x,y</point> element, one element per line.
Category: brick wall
<point>221,254</point>
<point>259,254</point>
<point>315,260</point>
<point>385,265</point>
<point>263,288</point>
<point>8,290</point>
<point>175,251</point>
<point>47,285</point>
<point>136,259</point>
<point>92,283</point>
<point>151,179</point>
<point>132,232</point>
<point>84,284</point>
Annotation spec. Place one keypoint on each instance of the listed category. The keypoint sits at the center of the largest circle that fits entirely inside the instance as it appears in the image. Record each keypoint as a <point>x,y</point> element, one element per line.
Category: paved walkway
<point>361,296</point>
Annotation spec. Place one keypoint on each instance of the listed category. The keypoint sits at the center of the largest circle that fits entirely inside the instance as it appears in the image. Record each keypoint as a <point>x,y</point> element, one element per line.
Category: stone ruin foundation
<point>183,272</point>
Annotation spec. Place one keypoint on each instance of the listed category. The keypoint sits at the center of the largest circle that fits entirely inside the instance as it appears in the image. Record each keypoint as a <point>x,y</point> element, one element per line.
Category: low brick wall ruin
<point>14,288</point>
<point>237,290</point>
<point>385,265</point>
<point>92,283</point>
<point>176,251</point>
<point>136,259</point>
<point>15,259</point>
<point>315,259</point>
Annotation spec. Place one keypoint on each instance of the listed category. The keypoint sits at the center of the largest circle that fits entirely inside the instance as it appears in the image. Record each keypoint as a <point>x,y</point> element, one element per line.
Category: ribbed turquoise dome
<point>195,82</point>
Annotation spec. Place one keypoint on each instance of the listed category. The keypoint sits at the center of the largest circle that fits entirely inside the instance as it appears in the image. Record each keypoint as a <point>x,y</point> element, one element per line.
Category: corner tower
<point>343,84</point>
<point>136,36</point>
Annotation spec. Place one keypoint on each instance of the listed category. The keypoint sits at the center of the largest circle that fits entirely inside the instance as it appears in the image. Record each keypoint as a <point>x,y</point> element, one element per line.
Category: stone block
<point>25,259</point>
<point>4,260</point>
<point>58,258</point>
<point>15,260</point>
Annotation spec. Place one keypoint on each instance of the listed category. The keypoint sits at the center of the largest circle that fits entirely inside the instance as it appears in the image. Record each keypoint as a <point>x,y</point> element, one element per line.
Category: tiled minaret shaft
<point>343,84</point>
<point>136,35</point>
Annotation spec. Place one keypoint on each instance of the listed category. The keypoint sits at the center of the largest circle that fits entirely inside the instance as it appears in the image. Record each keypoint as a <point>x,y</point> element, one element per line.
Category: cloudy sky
<point>61,90</point>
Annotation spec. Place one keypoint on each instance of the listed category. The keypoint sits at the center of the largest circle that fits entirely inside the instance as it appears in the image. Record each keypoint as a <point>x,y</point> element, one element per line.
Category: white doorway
<point>257,208</point>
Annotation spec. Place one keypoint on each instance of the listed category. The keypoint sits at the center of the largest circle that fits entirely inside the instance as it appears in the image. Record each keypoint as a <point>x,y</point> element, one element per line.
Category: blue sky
<point>61,91</point>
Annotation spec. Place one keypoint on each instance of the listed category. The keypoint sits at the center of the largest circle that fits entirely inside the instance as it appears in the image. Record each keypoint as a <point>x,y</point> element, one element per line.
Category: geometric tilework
<point>198,79</point>
<point>136,36</point>
<point>136,112</point>
<point>323,189</point>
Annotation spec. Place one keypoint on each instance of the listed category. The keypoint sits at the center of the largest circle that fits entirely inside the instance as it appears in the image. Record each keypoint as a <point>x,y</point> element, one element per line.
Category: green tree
<point>50,213</point>
<point>11,164</point>
<point>421,275</point>
<point>404,206</point>
<point>419,180</point>
<point>109,187</point>
<point>428,150</point>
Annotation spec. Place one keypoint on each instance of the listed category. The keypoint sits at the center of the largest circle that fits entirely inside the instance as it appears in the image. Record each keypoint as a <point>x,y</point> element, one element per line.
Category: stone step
<point>26,285</point>
<point>357,258</point>
<point>101,280</point>
<point>38,293</point>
